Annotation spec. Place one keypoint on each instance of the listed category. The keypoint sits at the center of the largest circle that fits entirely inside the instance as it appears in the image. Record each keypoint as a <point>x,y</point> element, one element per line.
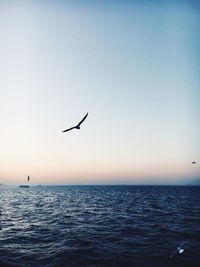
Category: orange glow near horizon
<point>85,175</point>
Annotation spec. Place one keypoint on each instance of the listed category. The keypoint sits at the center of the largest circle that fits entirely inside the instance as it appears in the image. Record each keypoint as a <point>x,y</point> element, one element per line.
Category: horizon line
<point>38,185</point>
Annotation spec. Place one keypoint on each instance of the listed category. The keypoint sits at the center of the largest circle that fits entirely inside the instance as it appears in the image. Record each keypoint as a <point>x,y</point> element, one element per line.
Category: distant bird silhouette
<point>77,126</point>
<point>28,178</point>
<point>179,250</point>
<point>194,162</point>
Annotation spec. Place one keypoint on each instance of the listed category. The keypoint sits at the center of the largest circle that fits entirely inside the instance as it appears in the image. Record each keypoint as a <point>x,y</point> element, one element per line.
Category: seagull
<point>194,162</point>
<point>78,125</point>
<point>28,178</point>
<point>179,249</point>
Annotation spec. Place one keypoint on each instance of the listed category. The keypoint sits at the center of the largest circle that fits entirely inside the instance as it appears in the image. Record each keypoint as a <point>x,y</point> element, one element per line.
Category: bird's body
<point>77,126</point>
<point>194,162</point>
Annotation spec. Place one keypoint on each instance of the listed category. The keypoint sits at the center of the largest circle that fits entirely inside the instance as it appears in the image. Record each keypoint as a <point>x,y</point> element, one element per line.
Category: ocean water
<point>98,226</point>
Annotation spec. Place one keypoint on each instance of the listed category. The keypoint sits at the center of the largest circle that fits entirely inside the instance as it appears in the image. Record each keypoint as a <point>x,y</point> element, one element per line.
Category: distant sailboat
<point>25,185</point>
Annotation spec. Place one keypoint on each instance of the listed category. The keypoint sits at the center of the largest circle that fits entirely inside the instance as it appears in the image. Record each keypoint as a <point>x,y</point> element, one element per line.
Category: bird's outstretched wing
<point>183,243</point>
<point>68,129</point>
<point>82,120</point>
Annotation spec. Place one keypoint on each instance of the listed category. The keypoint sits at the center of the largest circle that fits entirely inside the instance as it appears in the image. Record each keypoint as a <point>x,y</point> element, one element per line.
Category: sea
<point>97,226</point>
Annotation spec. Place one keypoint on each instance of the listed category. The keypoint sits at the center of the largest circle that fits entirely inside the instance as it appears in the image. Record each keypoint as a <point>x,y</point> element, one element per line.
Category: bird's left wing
<point>68,129</point>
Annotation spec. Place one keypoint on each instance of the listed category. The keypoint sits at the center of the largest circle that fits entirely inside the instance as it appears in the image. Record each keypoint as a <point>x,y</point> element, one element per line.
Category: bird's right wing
<point>68,129</point>
<point>82,119</point>
<point>183,243</point>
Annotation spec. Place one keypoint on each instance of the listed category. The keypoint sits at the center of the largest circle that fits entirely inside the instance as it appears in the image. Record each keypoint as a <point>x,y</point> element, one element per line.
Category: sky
<point>133,65</point>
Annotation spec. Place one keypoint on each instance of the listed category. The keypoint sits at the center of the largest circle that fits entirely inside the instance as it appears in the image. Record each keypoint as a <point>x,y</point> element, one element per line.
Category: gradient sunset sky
<point>133,65</point>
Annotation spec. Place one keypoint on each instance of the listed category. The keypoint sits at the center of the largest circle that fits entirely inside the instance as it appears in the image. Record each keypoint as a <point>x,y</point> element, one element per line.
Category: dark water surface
<point>97,226</point>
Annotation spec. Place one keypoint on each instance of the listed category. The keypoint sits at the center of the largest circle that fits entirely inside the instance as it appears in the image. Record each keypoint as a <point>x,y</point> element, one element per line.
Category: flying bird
<point>179,250</point>
<point>194,162</point>
<point>78,125</point>
<point>28,178</point>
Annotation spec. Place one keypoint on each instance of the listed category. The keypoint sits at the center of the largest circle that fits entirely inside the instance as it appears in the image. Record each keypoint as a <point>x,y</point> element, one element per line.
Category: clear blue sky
<point>133,65</point>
